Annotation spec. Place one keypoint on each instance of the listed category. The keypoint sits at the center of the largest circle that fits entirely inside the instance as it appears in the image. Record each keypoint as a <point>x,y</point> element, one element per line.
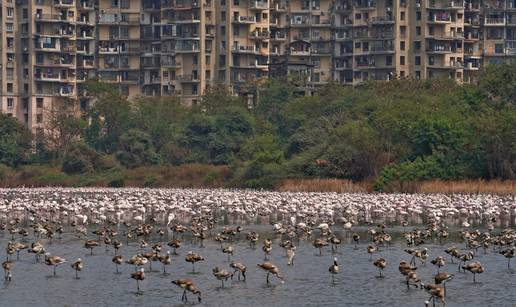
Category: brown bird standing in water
<point>435,291</point>
<point>193,258</point>
<point>117,260</point>
<point>138,275</point>
<point>475,268</point>
<point>54,261</point>
<point>7,266</point>
<point>221,274</point>
<point>271,269</point>
<point>91,244</point>
<point>381,264</point>
<point>187,285</point>
<point>438,262</point>
<point>238,267</point>
<point>78,265</point>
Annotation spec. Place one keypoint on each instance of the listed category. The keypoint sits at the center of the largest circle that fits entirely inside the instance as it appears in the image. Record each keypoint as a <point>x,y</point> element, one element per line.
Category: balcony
<point>452,5</point>
<point>179,5</point>
<point>88,64</point>
<point>86,6</point>
<point>65,91</point>
<point>186,48</point>
<point>109,50</point>
<point>170,63</point>
<point>50,77</point>
<point>187,79</point>
<point>53,18</point>
<point>279,36</point>
<point>494,21</point>
<point>259,5</point>
<point>260,35</point>
<point>64,3</point>
<point>440,18</point>
<point>244,49</point>
<point>244,19</point>
<point>440,49</point>
<point>511,21</point>
<point>184,19</point>
<point>472,66</point>
<point>321,51</point>
<point>447,36</point>
<point>305,52</point>
<point>365,5</point>
<point>380,20</point>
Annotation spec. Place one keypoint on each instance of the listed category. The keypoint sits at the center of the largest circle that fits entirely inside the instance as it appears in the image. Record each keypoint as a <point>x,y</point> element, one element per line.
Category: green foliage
<point>79,158</point>
<point>136,149</point>
<point>15,141</point>
<point>392,132</point>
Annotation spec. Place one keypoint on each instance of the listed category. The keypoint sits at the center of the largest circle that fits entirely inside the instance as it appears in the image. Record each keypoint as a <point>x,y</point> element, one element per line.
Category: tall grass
<point>323,185</point>
<point>434,186</point>
<point>507,187</point>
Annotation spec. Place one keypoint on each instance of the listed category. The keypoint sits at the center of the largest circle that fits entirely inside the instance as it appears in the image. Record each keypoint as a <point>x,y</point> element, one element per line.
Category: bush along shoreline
<point>399,136</point>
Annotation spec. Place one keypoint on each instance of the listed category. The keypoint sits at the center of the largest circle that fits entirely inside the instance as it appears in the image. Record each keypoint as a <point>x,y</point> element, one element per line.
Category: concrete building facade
<point>49,48</point>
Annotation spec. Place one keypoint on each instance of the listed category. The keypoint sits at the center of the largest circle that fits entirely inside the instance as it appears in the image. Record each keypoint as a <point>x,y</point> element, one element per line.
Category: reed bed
<point>323,185</point>
<point>507,187</point>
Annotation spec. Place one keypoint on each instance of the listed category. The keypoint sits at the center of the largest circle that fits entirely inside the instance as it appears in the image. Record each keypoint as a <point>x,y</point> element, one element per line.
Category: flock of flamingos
<point>159,220</point>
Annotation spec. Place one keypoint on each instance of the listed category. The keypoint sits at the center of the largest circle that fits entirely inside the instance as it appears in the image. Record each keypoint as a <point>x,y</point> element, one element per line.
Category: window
<point>223,2</point>
<point>498,48</point>
<point>10,103</point>
<point>10,73</point>
<point>236,31</point>
<point>236,2</point>
<point>125,4</point>
<point>417,60</point>
<point>418,15</point>
<point>10,12</point>
<point>417,45</point>
<point>402,15</point>
<point>10,88</point>
<point>402,45</point>
<point>418,31</point>
<point>358,16</point>
<point>418,74</point>
<point>25,13</point>
<point>39,103</point>
<point>10,42</point>
<point>39,118</point>
<point>8,27</point>
<point>388,60</point>
<point>430,60</point>
<point>402,73</point>
<point>402,60</point>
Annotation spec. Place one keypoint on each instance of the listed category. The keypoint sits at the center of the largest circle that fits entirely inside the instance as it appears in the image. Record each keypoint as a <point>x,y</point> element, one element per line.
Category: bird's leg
<point>243,274</point>
<point>55,270</point>
<point>474,275</point>
<point>320,251</point>
<point>333,278</point>
<point>91,251</point>
<point>193,267</point>
<point>138,285</point>
<point>268,278</point>
<point>222,280</point>
<point>116,266</point>
<point>18,255</point>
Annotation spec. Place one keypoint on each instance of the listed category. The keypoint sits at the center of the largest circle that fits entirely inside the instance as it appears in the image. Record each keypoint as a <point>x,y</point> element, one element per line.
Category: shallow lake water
<point>307,282</point>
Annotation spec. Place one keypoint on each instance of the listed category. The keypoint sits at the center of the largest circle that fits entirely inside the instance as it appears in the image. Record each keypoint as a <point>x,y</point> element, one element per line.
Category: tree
<point>136,149</point>
<point>15,141</point>
<point>499,82</point>
<point>62,126</point>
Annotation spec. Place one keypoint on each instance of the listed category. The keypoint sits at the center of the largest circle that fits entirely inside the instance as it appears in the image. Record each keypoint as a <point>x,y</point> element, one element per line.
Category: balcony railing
<point>259,5</point>
<point>380,20</point>
<point>244,49</point>
<point>64,3</point>
<point>494,21</point>
<point>244,19</point>
<point>304,52</point>
<point>187,78</point>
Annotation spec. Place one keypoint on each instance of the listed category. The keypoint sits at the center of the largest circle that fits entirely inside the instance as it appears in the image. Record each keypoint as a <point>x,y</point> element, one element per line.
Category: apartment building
<point>49,48</point>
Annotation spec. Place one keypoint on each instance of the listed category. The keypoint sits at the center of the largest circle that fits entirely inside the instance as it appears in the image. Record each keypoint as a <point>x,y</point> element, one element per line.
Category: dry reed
<point>322,185</point>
